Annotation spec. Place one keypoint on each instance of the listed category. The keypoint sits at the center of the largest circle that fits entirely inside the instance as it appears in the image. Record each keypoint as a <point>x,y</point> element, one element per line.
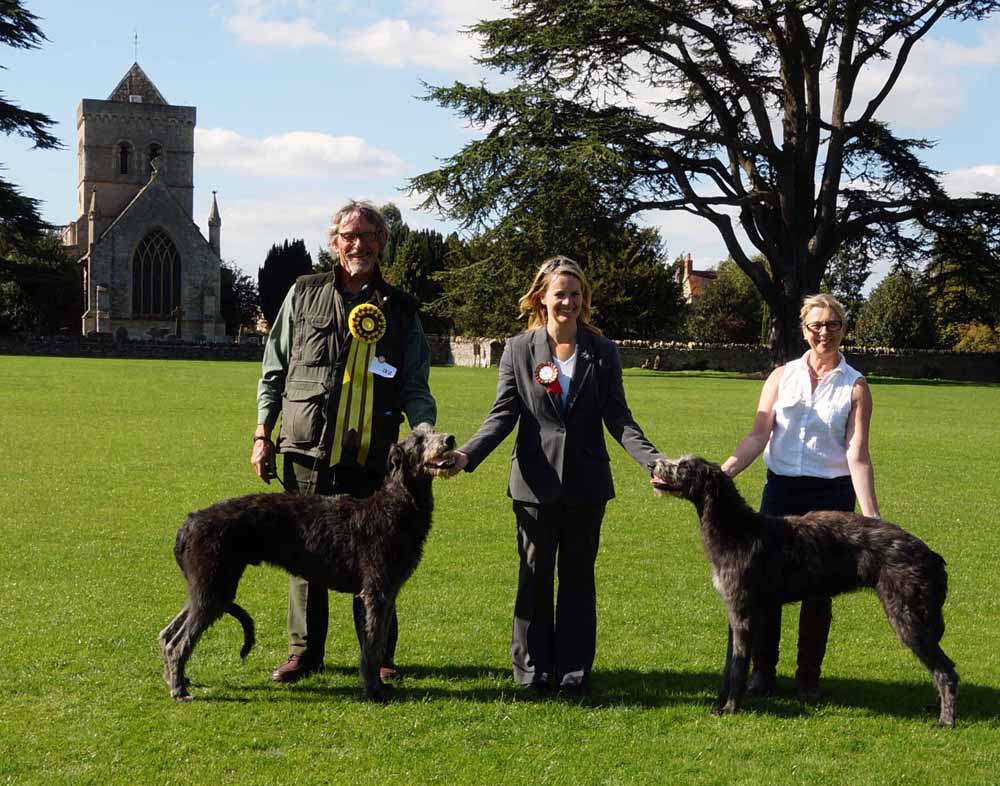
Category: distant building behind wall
<point>693,282</point>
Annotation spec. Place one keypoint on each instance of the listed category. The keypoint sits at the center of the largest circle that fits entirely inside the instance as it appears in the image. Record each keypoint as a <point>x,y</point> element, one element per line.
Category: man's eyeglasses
<point>833,326</point>
<point>350,237</point>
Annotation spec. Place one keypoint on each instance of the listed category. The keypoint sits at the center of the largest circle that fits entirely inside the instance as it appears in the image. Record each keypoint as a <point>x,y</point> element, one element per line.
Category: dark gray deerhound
<point>367,547</point>
<point>761,561</point>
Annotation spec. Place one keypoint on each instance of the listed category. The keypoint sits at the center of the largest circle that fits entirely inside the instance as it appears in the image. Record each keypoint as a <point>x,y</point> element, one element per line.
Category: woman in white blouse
<point>812,426</point>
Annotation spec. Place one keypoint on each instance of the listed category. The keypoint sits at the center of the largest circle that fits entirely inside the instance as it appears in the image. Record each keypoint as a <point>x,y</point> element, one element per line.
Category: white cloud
<point>295,154</point>
<point>457,14</point>
<point>429,35</point>
<point>396,42</point>
<point>926,95</point>
<point>966,182</point>
<point>298,33</point>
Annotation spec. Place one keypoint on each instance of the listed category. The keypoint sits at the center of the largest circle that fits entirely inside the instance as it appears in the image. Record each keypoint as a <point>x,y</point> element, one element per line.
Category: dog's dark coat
<point>367,547</point>
<point>762,561</point>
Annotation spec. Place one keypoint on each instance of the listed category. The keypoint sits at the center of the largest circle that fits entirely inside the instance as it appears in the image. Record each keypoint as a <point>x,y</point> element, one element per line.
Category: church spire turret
<point>215,228</point>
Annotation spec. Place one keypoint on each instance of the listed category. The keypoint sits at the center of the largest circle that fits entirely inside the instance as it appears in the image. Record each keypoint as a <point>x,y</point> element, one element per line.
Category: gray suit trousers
<point>554,643</point>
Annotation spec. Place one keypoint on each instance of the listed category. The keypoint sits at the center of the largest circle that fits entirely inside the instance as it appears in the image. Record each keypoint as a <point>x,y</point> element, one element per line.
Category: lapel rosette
<point>367,324</point>
<point>547,375</point>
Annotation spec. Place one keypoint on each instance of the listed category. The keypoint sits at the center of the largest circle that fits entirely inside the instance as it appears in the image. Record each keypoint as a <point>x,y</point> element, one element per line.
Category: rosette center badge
<point>367,323</point>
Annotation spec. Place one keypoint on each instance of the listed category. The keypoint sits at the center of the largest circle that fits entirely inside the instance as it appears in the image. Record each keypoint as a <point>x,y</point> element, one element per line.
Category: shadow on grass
<point>618,688</point>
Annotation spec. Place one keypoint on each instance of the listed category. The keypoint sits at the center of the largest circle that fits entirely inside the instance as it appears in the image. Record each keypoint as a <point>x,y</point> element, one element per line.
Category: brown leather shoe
<point>389,673</point>
<point>294,669</point>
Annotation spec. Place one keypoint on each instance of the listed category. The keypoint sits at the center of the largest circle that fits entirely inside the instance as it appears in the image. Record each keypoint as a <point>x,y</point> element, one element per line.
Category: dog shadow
<point>615,688</point>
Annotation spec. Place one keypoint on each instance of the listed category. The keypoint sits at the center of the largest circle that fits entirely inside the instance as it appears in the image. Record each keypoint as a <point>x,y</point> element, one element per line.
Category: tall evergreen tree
<point>417,269</point>
<point>399,230</point>
<point>716,75</point>
<point>41,290</point>
<point>239,301</point>
<point>19,217</point>
<point>897,314</point>
<point>963,284</point>
<point>282,266</point>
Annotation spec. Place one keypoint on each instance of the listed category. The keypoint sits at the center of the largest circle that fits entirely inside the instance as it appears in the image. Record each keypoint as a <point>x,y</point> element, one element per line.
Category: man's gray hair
<point>366,210</point>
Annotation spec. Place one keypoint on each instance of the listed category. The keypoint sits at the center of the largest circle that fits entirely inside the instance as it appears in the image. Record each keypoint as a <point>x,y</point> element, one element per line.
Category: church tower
<point>147,267</point>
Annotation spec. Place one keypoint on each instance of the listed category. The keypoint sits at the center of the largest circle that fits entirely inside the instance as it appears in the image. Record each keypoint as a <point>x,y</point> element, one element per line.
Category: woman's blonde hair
<point>531,302</point>
<point>822,300</point>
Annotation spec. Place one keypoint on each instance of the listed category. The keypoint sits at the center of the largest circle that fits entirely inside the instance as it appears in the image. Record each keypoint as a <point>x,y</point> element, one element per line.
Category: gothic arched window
<point>124,154</point>
<point>156,277</point>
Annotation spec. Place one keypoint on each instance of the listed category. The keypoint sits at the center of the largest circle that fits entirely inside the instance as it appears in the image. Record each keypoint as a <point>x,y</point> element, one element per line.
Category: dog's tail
<point>249,639</point>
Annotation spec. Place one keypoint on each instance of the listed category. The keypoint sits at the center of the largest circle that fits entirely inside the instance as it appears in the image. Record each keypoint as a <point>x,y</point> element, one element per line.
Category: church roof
<point>136,83</point>
<point>157,191</point>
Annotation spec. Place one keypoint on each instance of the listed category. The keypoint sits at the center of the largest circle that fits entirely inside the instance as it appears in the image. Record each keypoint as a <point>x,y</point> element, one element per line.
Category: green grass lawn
<point>103,459</point>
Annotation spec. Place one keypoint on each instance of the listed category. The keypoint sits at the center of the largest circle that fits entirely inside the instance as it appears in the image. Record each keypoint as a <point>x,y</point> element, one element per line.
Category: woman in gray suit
<point>561,383</point>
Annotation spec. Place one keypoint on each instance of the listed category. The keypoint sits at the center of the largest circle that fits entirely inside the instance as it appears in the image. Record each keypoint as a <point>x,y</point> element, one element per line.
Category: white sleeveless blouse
<point>809,437</point>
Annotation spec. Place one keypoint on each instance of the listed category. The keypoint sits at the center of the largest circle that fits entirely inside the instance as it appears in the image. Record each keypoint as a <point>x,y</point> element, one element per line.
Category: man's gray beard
<point>359,267</point>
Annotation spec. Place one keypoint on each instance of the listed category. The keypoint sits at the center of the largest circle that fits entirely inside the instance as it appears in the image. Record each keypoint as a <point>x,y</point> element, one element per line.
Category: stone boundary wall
<point>903,363</point>
<point>485,352</point>
<point>106,347</point>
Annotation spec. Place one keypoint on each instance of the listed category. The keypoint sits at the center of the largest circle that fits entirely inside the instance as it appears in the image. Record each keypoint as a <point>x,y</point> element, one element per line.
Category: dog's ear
<point>712,478</point>
<point>397,460</point>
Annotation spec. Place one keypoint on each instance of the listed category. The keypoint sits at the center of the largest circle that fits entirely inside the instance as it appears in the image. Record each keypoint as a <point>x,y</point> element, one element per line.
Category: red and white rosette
<point>547,375</point>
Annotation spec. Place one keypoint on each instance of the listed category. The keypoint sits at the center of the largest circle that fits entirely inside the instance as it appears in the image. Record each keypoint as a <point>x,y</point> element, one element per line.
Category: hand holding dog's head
<point>423,451</point>
<point>690,477</point>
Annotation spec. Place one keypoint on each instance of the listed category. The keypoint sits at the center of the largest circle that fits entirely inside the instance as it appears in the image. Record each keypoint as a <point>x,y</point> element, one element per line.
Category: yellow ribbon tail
<point>367,406</point>
<point>356,405</point>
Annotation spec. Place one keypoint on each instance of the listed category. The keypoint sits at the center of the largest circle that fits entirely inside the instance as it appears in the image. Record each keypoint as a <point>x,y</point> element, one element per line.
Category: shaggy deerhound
<point>368,547</point>
<point>759,561</point>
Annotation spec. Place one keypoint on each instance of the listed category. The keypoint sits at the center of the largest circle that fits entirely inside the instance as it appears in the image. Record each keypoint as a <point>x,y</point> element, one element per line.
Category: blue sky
<point>305,103</point>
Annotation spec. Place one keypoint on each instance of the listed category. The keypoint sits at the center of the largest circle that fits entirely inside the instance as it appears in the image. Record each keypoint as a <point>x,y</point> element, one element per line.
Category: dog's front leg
<point>378,612</point>
<point>724,687</point>
<point>737,663</point>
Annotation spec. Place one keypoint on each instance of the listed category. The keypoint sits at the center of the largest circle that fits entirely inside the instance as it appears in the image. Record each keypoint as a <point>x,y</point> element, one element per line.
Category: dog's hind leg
<point>199,618</point>
<point>942,670</point>
<point>166,636</point>
<point>920,628</point>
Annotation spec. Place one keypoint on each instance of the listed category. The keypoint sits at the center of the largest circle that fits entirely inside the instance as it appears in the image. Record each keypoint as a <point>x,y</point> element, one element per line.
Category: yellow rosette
<point>367,325</point>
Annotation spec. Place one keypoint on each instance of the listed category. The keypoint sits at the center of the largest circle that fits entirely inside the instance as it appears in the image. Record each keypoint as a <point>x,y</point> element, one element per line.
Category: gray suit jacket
<point>560,455</point>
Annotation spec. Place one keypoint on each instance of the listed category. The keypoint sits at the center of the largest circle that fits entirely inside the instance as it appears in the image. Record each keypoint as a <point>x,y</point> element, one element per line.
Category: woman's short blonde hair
<point>822,300</point>
<point>531,301</point>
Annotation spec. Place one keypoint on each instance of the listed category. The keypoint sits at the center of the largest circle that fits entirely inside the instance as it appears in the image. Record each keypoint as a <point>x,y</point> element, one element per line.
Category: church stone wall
<point>111,261</point>
<point>104,125</point>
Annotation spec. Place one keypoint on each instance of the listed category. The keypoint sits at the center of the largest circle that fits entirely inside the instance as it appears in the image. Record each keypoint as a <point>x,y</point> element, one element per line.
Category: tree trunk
<point>786,341</point>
